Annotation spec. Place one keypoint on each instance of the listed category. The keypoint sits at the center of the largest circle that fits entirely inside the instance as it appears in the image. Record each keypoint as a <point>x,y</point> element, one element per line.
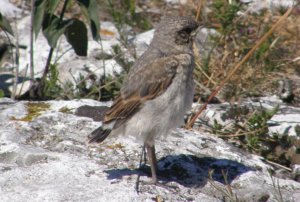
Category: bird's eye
<point>183,36</point>
<point>187,30</point>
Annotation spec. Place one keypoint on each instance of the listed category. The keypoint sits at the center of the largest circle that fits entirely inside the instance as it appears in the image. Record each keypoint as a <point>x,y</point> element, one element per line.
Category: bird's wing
<point>144,84</point>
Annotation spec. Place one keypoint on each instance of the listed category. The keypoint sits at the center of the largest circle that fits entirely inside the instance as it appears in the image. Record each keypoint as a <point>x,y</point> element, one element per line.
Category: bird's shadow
<point>188,170</point>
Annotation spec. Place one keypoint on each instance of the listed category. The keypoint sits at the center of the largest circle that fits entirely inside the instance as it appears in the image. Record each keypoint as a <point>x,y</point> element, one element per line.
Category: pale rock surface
<point>285,122</point>
<point>9,10</point>
<point>47,159</point>
<point>142,41</point>
<point>176,1</point>
<point>259,5</point>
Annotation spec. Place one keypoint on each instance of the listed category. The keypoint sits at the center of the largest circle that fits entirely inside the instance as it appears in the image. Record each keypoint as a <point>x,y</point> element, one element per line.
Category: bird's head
<point>176,31</point>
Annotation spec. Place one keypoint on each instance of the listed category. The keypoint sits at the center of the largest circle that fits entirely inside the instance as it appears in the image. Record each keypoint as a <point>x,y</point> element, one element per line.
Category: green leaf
<point>38,12</point>
<point>53,28</point>
<point>89,9</point>
<point>1,93</point>
<point>53,5</point>
<point>76,35</point>
<point>4,24</point>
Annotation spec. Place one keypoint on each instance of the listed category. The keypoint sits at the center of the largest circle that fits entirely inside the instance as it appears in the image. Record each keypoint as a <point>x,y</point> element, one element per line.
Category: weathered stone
<point>46,159</point>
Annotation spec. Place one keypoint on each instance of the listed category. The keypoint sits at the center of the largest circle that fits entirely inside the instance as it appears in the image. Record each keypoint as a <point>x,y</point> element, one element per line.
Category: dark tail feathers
<point>98,135</point>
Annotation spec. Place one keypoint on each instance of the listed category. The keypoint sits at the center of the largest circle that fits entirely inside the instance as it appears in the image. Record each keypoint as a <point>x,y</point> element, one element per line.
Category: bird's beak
<point>194,33</point>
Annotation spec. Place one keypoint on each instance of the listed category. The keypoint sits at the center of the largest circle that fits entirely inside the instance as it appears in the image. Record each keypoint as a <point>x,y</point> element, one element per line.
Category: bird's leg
<point>152,160</point>
<point>143,156</point>
<point>153,163</point>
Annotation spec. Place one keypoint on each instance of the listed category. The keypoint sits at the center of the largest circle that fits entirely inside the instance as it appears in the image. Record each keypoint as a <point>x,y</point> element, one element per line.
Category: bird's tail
<point>98,135</point>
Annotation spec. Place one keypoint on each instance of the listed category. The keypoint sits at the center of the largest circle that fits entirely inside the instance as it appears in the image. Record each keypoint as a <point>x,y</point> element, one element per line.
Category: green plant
<point>54,27</point>
<point>124,12</point>
<point>256,138</point>
<point>1,93</point>
<point>297,130</point>
<point>216,127</point>
<point>5,26</point>
<point>250,132</point>
<point>52,89</point>
<point>81,89</point>
<point>110,86</point>
<point>258,120</point>
<point>121,60</point>
<point>226,12</point>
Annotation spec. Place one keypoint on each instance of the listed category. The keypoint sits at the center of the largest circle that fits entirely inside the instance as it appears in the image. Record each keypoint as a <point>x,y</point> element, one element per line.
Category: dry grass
<point>277,56</point>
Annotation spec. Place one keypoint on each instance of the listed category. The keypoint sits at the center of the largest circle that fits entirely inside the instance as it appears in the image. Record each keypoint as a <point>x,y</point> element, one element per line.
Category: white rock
<point>85,66</point>
<point>108,31</point>
<point>258,5</point>
<point>96,48</point>
<point>142,41</point>
<point>176,1</point>
<point>285,123</point>
<point>8,9</point>
<point>16,110</point>
<point>41,49</point>
<point>46,159</point>
<point>73,105</point>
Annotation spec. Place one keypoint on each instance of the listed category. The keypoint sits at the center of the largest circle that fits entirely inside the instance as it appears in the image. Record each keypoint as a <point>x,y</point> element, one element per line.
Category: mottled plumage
<point>158,89</point>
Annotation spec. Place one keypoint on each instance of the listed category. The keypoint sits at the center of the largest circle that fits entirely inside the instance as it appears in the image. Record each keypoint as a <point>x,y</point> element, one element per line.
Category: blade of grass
<point>204,73</point>
<point>199,9</point>
<point>31,66</point>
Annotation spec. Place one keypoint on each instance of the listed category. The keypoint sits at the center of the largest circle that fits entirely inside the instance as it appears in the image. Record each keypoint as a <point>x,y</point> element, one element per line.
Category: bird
<point>158,90</point>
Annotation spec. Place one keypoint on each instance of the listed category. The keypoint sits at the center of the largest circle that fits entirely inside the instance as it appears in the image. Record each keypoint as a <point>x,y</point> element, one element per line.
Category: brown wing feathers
<point>130,100</point>
<point>123,108</point>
